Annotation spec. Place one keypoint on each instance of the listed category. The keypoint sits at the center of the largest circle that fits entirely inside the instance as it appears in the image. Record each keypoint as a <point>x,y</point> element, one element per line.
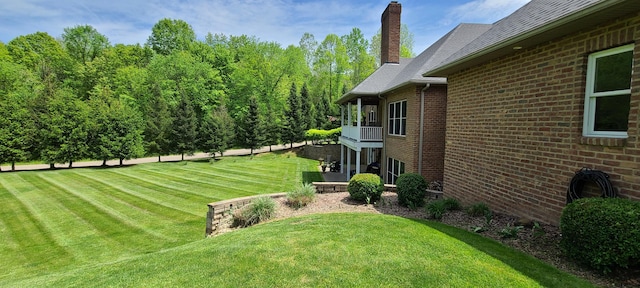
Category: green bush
<point>365,187</point>
<point>603,233</point>
<point>259,210</point>
<point>301,196</point>
<point>452,204</point>
<point>319,134</point>
<point>411,189</point>
<point>478,209</point>
<point>436,209</point>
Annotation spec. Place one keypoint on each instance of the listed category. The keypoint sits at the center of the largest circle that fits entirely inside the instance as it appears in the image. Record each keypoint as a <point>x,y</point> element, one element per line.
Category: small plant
<point>488,218</point>
<point>365,187</point>
<point>537,230</point>
<point>411,189</point>
<point>301,195</point>
<point>478,229</point>
<point>510,231</point>
<point>259,210</point>
<point>478,209</point>
<point>452,204</point>
<point>436,209</point>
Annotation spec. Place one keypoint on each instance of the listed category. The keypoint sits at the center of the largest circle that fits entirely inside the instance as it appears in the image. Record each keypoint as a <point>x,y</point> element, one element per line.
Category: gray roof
<point>534,23</point>
<point>391,76</point>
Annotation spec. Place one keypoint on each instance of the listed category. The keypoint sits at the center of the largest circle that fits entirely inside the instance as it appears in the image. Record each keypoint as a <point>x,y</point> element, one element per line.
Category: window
<point>608,93</point>
<point>394,169</point>
<point>398,118</point>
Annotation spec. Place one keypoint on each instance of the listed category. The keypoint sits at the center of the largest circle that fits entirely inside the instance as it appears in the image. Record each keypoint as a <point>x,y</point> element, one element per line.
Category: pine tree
<point>158,123</point>
<point>293,130</point>
<point>184,128</point>
<point>306,118</point>
<point>253,127</point>
<point>216,132</point>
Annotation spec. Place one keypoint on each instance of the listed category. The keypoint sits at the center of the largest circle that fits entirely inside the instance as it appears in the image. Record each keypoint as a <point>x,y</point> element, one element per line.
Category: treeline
<point>80,97</point>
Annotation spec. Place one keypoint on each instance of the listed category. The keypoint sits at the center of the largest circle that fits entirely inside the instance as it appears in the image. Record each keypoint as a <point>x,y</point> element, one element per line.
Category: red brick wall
<point>405,148</point>
<point>514,126</point>
<point>434,132</point>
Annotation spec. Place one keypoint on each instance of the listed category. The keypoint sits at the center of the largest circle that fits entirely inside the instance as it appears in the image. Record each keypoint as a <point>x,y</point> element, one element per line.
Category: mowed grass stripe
<point>144,198</point>
<point>101,200</point>
<point>234,174</point>
<point>174,225</point>
<point>66,226</point>
<point>32,246</point>
<point>116,237</point>
<point>152,190</point>
<point>209,191</point>
<point>170,184</point>
<point>256,187</point>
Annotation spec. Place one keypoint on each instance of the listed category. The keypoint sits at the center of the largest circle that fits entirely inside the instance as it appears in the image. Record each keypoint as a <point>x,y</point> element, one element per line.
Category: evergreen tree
<point>306,118</point>
<point>273,129</point>
<point>293,129</point>
<point>157,125</point>
<point>182,135</point>
<point>253,127</point>
<point>216,132</point>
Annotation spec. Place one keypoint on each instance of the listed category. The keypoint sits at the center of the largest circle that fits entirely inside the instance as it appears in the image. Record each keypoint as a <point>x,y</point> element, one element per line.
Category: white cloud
<point>482,11</point>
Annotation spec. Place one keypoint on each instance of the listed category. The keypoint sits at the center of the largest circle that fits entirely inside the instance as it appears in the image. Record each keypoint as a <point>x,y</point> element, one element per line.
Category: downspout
<point>383,161</point>
<point>421,139</point>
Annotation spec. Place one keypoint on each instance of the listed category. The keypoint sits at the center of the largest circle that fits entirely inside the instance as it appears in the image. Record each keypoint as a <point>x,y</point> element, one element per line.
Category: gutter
<point>533,34</point>
<point>421,139</point>
<point>383,162</point>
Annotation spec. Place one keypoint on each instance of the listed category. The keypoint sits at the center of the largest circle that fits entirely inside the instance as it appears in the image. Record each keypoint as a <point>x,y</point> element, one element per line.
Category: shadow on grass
<point>312,176</point>
<point>543,273</point>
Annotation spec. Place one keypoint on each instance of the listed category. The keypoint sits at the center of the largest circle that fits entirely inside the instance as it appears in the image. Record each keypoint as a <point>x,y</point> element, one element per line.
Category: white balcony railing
<point>364,134</point>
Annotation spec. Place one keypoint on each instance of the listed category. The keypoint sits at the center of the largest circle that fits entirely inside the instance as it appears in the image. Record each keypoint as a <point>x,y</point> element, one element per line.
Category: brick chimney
<point>390,44</point>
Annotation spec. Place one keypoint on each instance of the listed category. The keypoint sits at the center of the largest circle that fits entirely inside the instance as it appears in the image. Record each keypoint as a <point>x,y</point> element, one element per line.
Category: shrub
<point>259,210</point>
<point>411,189</point>
<point>603,233</point>
<point>319,134</point>
<point>365,187</point>
<point>301,196</point>
<point>478,209</point>
<point>436,209</point>
<point>452,204</point>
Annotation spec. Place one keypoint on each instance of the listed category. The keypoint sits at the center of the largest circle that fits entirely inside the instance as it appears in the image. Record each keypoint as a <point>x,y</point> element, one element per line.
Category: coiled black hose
<point>574,192</point>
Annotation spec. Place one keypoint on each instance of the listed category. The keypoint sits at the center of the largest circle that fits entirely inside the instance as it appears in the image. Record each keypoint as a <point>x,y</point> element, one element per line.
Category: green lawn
<point>64,219</point>
<point>327,250</point>
<point>144,226</point>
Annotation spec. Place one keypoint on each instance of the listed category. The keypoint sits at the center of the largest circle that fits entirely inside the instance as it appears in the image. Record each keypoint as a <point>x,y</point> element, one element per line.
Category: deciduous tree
<point>169,35</point>
<point>84,43</point>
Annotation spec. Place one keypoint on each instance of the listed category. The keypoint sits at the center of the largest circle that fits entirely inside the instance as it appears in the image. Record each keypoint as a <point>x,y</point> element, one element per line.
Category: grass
<point>327,250</point>
<point>60,220</point>
<point>144,225</point>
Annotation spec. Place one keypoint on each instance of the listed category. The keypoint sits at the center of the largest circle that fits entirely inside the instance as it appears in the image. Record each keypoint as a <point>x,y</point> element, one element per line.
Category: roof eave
<point>348,97</point>
<point>594,15</point>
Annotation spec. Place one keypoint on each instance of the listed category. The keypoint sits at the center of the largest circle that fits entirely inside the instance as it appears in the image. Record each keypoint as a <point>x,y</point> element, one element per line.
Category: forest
<point>78,96</point>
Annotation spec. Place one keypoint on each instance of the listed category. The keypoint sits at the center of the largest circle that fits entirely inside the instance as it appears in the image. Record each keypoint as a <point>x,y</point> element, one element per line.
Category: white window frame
<point>392,120</point>
<point>591,96</point>
<point>391,173</point>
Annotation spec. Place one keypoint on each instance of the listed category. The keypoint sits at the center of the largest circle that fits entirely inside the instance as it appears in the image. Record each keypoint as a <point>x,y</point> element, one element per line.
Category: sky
<point>281,21</point>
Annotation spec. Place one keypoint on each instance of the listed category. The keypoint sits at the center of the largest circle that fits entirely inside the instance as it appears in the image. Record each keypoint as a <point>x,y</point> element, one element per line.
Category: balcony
<point>362,133</point>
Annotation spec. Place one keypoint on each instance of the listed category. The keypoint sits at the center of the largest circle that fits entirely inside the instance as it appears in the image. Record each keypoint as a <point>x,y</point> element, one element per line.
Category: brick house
<point>550,89</point>
<point>396,116</point>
